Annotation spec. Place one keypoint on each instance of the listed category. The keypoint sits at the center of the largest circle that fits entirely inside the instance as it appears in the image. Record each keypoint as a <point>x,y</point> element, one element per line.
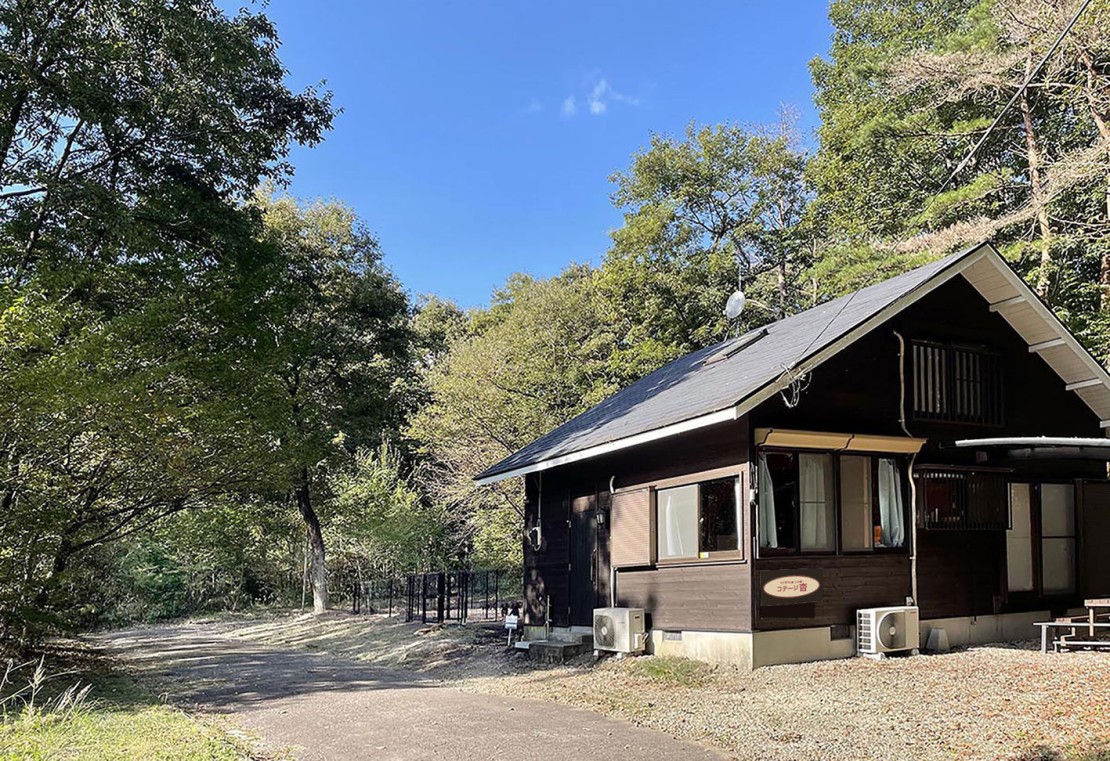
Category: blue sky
<point>477,138</point>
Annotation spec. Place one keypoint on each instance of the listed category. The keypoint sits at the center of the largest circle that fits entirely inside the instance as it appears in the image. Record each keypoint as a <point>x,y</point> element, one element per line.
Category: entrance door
<point>1057,539</point>
<point>583,560</point>
<point>1019,539</point>
<point>1094,538</point>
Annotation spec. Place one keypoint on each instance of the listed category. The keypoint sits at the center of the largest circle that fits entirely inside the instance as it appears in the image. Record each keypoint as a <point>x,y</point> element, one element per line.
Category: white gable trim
<point>721,416</point>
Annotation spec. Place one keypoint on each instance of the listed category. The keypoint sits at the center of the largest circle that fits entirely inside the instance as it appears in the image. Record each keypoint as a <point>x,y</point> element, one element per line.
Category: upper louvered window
<point>956,384</point>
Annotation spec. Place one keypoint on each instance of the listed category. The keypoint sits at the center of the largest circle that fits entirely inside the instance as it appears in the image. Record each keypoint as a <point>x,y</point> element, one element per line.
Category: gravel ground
<point>993,702</point>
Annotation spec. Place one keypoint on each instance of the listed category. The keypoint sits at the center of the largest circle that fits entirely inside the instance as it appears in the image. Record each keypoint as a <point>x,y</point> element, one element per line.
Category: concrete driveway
<point>322,707</point>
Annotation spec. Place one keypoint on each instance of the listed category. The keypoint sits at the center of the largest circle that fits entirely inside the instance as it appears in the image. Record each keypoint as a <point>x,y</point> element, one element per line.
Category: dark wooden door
<point>1094,538</point>
<point>583,561</point>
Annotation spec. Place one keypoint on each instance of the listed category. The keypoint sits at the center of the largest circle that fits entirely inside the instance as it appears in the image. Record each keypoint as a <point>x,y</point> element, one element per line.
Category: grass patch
<point>78,708</point>
<point>677,672</point>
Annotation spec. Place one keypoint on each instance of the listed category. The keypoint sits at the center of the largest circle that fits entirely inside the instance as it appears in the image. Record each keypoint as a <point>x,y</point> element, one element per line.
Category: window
<point>697,520</point>
<point>962,499</point>
<point>1019,540</point>
<point>802,495</point>
<point>956,384</point>
<point>1057,538</point>
<point>872,506</point>
<point>855,503</point>
<point>796,502</point>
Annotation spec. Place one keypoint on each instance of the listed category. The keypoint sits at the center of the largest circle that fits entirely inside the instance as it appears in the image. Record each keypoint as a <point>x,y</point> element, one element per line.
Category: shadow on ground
<point>224,675</point>
<point>326,707</point>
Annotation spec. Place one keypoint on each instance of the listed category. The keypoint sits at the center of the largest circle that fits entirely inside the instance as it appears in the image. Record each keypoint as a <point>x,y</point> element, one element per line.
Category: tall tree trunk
<point>1103,128</point>
<point>318,573</point>
<point>781,285</point>
<point>58,567</point>
<point>1036,185</point>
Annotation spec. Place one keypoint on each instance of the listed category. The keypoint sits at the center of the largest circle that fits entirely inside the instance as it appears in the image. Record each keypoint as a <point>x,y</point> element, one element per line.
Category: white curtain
<point>680,522</point>
<point>768,530</point>
<point>891,509</point>
<point>674,531</point>
<point>814,499</point>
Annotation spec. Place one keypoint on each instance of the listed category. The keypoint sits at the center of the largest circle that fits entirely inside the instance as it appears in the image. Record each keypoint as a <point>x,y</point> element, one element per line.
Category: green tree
<point>335,353</point>
<point>539,355</point>
<point>698,210</point>
<point>129,133</point>
<point>380,522</point>
<point>908,90</point>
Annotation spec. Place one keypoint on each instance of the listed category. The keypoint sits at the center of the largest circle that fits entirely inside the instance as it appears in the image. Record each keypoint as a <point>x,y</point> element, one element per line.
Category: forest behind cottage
<point>215,395</point>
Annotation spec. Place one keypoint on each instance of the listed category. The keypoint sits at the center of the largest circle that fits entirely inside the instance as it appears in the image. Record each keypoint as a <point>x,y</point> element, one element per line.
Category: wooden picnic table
<point>1093,605</point>
<point>1073,625</point>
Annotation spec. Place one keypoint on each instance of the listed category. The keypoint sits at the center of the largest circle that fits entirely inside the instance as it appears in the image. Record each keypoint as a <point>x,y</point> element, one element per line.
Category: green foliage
<point>226,556</point>
<point>696,210</point>
<point>908,89</point>
<point>127,133</point>
<point>539,355</point>
<point>380,523</point>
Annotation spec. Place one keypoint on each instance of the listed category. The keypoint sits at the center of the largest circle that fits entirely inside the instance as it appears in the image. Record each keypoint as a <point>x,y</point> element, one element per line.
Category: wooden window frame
<point>697,480</point>
<point>838,549</point>
<point>1036,531</point>
<point>953,393</point>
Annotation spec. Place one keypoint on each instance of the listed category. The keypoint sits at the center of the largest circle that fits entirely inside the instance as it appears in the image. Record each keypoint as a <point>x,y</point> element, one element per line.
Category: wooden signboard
<point>785,588</point>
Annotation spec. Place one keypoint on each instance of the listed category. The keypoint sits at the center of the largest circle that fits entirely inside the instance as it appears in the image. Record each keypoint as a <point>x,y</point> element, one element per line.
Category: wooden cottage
<point>937,440</point>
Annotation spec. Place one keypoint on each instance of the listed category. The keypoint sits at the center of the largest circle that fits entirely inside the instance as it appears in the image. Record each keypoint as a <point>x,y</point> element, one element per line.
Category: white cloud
<point>597,99</point>
<point>602,94</point>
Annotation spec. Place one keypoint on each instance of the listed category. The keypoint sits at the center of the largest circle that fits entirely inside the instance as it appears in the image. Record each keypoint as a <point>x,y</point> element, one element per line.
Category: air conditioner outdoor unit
<point>886,630</point>
<point>619,630</point>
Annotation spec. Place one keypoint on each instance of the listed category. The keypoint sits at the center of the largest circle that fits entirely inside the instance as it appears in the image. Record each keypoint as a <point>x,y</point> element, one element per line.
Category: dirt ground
<point>983,702</point>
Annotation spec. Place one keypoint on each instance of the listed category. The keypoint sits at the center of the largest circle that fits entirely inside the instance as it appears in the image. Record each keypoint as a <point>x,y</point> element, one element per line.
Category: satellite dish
<point>735,304</point>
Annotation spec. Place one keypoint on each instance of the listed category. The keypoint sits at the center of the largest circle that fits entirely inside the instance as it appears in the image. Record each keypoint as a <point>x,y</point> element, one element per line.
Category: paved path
<point>330,708</point>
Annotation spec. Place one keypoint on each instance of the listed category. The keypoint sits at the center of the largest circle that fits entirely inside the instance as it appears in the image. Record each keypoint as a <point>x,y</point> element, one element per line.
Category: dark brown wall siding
<point>960,573</point>
<point>1094,538</point>
<point>708,597</point>
<point>847,584</point>
<point>547,571</point>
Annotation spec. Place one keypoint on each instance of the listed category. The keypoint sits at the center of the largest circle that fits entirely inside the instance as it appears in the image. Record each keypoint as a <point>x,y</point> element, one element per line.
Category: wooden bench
<point>1068,640</point>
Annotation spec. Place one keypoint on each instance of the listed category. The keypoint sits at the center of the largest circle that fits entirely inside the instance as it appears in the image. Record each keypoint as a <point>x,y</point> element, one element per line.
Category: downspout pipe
<point>913,458</point>
<point>612,568</point>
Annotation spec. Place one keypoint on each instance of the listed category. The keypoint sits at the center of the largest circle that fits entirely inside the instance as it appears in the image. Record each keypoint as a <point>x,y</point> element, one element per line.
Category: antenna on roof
<point>735,304</point>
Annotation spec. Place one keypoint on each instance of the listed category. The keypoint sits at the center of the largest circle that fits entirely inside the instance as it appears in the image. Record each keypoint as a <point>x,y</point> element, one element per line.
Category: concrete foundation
<point>750,650</point>
<point>731,648</point>
<point>980,630</point>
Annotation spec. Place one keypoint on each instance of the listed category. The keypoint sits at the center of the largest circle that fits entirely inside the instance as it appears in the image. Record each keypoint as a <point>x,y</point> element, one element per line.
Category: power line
<point>1013,99</point>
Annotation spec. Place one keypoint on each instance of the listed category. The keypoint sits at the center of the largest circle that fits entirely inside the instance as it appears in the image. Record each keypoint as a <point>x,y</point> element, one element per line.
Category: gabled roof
<point>724,381</point>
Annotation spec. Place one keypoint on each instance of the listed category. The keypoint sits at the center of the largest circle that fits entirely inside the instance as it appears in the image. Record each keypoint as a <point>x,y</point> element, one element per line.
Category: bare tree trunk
<point>1036,184</point>
<point>1104,133</point>
<point>318,572</point>
<point>782,288</point>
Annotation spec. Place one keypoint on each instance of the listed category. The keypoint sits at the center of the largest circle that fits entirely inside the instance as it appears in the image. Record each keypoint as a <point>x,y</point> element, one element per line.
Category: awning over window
<point>1043,447</point>
<point>837,442</point>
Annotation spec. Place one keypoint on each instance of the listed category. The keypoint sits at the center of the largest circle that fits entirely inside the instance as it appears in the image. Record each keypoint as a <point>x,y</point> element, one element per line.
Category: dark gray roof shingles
<point>689,387</point>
